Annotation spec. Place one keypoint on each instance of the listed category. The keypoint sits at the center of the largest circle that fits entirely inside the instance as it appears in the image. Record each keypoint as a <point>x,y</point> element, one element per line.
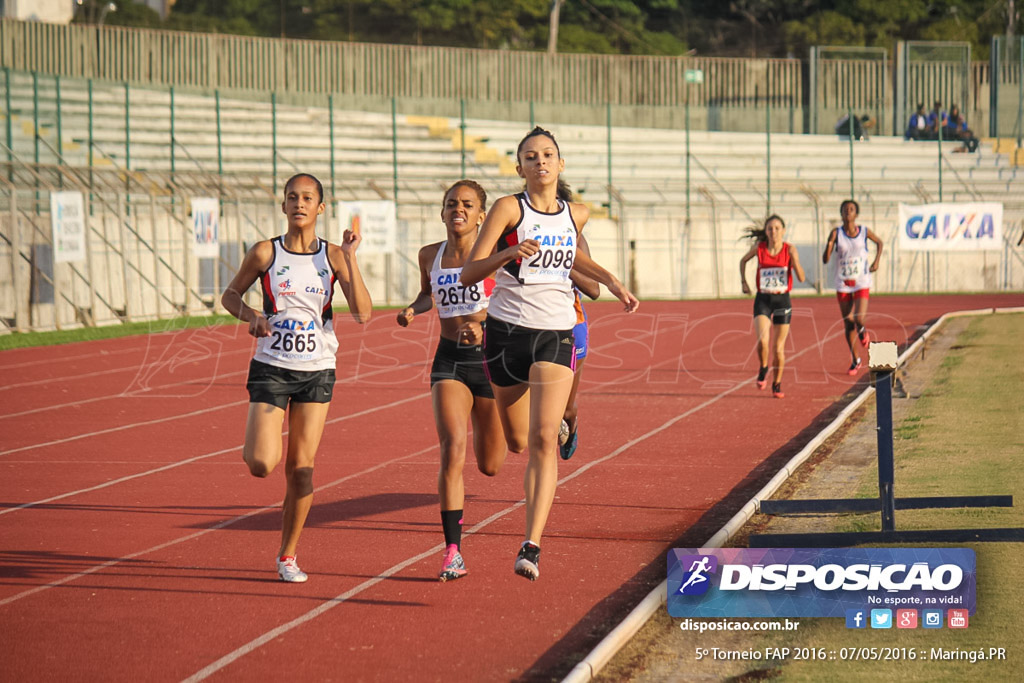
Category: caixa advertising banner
<point>817,582</point>
<point>951,227</point>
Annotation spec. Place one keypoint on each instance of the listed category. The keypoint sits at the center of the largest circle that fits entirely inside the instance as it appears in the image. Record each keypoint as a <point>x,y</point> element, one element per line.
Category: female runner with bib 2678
<point>458,384</point>
<point>295,349</point>
<point>529,241</point>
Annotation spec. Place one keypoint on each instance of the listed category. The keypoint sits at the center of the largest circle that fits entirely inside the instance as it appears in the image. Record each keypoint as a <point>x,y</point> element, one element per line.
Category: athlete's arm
<point>256,262</point>
<point>346,272</point>
<point>743,268</point>
<point>587,266</point>
<point>829,246</point>
<point>878,252</point>
<point>424,301</point>
<point>589,286</point>
<point>483,260</point>
<point>794,259</point>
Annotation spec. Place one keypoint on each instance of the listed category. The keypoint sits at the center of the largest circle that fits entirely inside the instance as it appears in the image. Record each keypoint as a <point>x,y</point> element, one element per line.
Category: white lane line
<point>330,604</point>
<point>192,381</point>
<point>215,527</point>
<point>199,457</point>
<point>133,425</point>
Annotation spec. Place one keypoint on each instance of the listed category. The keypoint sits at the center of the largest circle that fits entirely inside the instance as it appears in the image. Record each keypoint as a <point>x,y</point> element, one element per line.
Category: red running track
<point>136,546</point>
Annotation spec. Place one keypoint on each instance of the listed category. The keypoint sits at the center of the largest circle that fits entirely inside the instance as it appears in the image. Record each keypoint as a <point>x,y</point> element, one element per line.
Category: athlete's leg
<point>781,332</point>
<point>860,314</point>
<point>763,326</point>
<point>846,310</point>
<point>513,405</point>
<point>571,409</point>
<point>262,449</point>
<point>305,427</point>
<point>550,385</point>
<point>488,438</point>
<point>452,404</point>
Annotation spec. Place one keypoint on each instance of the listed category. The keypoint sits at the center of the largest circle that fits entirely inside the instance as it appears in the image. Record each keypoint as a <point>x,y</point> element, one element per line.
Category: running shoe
<point>453,567</point>
<point>864,337</point>
<point>762,378</point>
<point>569,447</point>
<point>528,561</point>
<point>777,390</point>
<point>289,571</point>
<point>563,433</point>
<point>854,368</point>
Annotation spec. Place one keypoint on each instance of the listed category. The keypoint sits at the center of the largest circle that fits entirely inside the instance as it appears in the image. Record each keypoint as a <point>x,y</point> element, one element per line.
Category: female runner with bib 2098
<point>777,260</point>
<point>853,276</point>
<point>529,241</point>
<point>459,388</point>
<point>294,364</point>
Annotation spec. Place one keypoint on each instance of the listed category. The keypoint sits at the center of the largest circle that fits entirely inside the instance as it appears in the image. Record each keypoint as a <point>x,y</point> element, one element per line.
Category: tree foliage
<point>659,27</point>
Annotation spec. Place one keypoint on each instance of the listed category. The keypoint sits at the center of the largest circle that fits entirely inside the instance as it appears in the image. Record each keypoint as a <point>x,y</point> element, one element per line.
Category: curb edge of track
<point>596,659</point>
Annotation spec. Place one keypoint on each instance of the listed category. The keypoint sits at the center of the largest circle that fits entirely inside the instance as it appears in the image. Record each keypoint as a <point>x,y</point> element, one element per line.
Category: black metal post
<point>883,408</point>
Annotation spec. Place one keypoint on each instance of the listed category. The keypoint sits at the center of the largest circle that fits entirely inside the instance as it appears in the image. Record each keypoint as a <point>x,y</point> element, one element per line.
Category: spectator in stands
<point>956,129</point>
<point>917,127</point>
<point>936,119</point>
<point>859,125</point>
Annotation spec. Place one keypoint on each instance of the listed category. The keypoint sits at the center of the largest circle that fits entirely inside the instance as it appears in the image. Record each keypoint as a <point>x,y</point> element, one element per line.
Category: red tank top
<point>774,273</point>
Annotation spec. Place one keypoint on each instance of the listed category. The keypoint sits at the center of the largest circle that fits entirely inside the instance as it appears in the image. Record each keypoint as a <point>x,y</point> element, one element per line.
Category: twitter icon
<point>881,618</point>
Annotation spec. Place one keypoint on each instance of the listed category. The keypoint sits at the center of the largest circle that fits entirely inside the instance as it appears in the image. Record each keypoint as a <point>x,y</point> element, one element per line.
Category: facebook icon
<point>856,618</point>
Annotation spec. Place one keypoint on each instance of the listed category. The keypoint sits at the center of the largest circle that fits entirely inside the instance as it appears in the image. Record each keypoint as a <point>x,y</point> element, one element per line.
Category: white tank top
<point>852,273</point>
<point>297,293</point>
<point>537,292</point>
<point>450,296</point>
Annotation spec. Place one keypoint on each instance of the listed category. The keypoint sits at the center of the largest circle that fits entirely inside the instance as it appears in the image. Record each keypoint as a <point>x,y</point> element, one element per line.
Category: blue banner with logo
<point>817,582</point>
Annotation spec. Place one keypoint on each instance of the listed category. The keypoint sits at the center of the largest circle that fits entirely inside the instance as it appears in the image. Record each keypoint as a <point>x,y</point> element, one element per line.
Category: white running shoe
<point>289,571</point>
<point>563,433</point>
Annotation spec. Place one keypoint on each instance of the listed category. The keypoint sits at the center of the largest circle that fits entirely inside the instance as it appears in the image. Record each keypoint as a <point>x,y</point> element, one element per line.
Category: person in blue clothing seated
<point>917,127</point>
<point>936,119</point>
<point>956,129</point>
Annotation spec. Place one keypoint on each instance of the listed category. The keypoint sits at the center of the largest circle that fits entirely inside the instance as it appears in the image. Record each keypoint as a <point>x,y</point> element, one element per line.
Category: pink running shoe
<point>453,567</point>
<point>865,338</point>
<point>854,368</point>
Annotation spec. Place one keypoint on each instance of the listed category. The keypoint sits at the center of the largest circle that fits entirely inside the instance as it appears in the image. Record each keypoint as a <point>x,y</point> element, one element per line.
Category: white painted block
<point>883,356</point>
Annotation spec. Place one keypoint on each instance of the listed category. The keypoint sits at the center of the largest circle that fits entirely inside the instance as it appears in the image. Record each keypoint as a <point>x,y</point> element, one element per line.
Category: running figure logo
<point>695,579</point>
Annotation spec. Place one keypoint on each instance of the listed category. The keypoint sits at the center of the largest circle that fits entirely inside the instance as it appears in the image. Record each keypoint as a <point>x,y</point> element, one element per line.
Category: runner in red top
<point>777,260</point>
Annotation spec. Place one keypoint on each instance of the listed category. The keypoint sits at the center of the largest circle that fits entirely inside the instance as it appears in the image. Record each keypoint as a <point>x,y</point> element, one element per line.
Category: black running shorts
<point>276,386</point>
<point>775,306</point>
<point>463,364</point>
<point>510,350</point>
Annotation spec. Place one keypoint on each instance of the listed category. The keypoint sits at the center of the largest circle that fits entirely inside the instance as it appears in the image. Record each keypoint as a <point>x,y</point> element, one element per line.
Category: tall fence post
<point>1020,90</point>
<point>687,156</point>
<point>127,127</point>
<point>330,127</point>
<point>35,118</point>
<point>174,142</point>
<point>60,123</point>
<point>608,126</point>
<point>768,153</point>
<point>220,143</point>
<point>273,136</point>
<point>849,129</point>
<point>394,152</point>
<point>993,87</point>
<point>462,137</point>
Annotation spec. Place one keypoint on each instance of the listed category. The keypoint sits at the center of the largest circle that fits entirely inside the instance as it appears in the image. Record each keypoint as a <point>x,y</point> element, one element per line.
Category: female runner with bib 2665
<point>853,275</point>
<point>529,241</point>
<point>295,349</point>
<point>458,384</point>
<point>777,260</point>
